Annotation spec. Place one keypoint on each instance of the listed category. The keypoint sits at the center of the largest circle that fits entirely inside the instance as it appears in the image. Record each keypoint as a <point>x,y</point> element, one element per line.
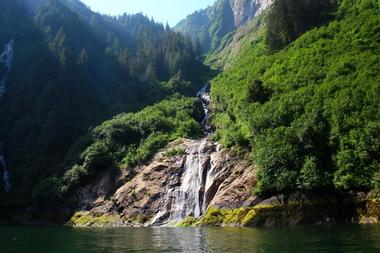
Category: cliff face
<point>169,188</point>
<point>245,10</point>
<point>209,26</point>
<point>204,185</point>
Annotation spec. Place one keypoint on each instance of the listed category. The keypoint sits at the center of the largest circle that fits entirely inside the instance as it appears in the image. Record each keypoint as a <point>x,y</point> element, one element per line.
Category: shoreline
<point>277,211</point>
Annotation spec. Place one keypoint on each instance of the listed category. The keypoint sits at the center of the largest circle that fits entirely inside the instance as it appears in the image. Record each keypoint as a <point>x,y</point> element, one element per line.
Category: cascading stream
<point>204,96</point>
<point>5,177</point>
<point>5,59</point>
<point>5,64</point>
<point>189,198</point>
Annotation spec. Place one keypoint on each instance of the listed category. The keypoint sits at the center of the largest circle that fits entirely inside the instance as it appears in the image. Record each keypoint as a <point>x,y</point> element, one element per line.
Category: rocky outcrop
<point>162,193</point>
<point>196,183</point>
<point>234,181</point>
<point>210,25</point>
<point>294,209</point>
<point>369,211</point>
<point>245,10</point>
<point>148,194</point>
<point>245,36</point>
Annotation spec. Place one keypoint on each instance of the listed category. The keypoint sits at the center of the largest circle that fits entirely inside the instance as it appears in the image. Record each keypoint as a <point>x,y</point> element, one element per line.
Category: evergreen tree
<point>82,57</point>
<point>59,47</point>
<point>288,19</point>
<point>125,61</point>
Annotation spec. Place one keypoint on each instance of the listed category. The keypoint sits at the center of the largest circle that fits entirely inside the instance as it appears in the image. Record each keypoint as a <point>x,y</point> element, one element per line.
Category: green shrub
<point>174,152</point>
<point>376,179</point>
<point>288,19</point>
<point>133,138</point>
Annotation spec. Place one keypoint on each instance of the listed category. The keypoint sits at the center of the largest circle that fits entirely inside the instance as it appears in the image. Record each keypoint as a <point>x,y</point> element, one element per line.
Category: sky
<point>171,11</point>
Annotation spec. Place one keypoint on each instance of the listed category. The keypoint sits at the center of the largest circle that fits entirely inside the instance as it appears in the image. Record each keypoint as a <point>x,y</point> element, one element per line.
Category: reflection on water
<point>341,238</point>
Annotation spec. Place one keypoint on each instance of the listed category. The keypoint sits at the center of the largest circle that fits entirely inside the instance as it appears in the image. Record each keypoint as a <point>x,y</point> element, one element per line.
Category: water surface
<point>340,238</point>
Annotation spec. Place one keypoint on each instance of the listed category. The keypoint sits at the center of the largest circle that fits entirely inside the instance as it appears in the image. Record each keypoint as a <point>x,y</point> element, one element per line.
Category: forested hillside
<point>96,109</point>
<point>306,105</point>
<point>118,144</point>
<point>73,69</point>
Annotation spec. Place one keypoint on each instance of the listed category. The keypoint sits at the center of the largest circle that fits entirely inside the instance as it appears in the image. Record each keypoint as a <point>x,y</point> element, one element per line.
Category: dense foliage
<point>310,113</point>
<point>73,69</point>
<point>124,141</point>
<point>288,19</point>
<point>302,95</point>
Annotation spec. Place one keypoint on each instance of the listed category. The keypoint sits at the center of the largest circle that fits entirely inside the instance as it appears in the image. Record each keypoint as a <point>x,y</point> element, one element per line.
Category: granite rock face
<point>245,10</point>
<point>209,26</point>
<point>168,189</point>
<point>204,185</point>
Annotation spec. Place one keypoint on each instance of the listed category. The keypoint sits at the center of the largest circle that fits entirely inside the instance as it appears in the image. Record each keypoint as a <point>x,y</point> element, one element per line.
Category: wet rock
<point>152,194</point>
<point>235,180</point>
<point>164,191</point>
<point>94,194</point>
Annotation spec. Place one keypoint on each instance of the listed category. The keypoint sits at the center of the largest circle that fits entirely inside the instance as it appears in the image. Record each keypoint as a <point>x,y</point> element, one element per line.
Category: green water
<point>340,238</point>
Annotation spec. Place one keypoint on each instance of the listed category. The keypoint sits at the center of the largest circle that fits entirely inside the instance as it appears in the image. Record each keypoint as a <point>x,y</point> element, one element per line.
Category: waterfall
<point>190,197</point>
<point>204,97</point>
<point>6,60</point>
<point>5,177</point>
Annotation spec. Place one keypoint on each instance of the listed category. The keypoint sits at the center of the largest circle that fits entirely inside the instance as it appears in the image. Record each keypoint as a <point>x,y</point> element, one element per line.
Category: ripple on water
<point>334,239</point>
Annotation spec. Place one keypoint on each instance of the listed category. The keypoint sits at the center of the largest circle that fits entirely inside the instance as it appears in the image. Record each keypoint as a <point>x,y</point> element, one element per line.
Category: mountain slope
<point>308,113</point>
<point>210,25</point>
<point>297,114</point>
<point>68,74</point>
<point>234,43</point>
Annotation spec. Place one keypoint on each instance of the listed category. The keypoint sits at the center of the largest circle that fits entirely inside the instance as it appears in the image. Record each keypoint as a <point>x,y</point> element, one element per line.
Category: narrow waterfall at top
<point>6,59</point>
<point>190,197</point>
<point>5,66</point>
<point>204,96</point>
<point>5,177</point>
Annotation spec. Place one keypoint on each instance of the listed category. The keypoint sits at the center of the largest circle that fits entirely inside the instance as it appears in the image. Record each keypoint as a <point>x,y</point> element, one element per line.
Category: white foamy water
<point>5,59</point>
<point>189,198</point>
<point>5,175</point>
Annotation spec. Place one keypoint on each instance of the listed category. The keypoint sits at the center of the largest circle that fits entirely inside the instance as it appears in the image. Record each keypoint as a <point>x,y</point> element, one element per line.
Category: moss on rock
<point>225,217</point>
<point>291,212</point>
<point>86,219</point>
<point>187,222</point>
